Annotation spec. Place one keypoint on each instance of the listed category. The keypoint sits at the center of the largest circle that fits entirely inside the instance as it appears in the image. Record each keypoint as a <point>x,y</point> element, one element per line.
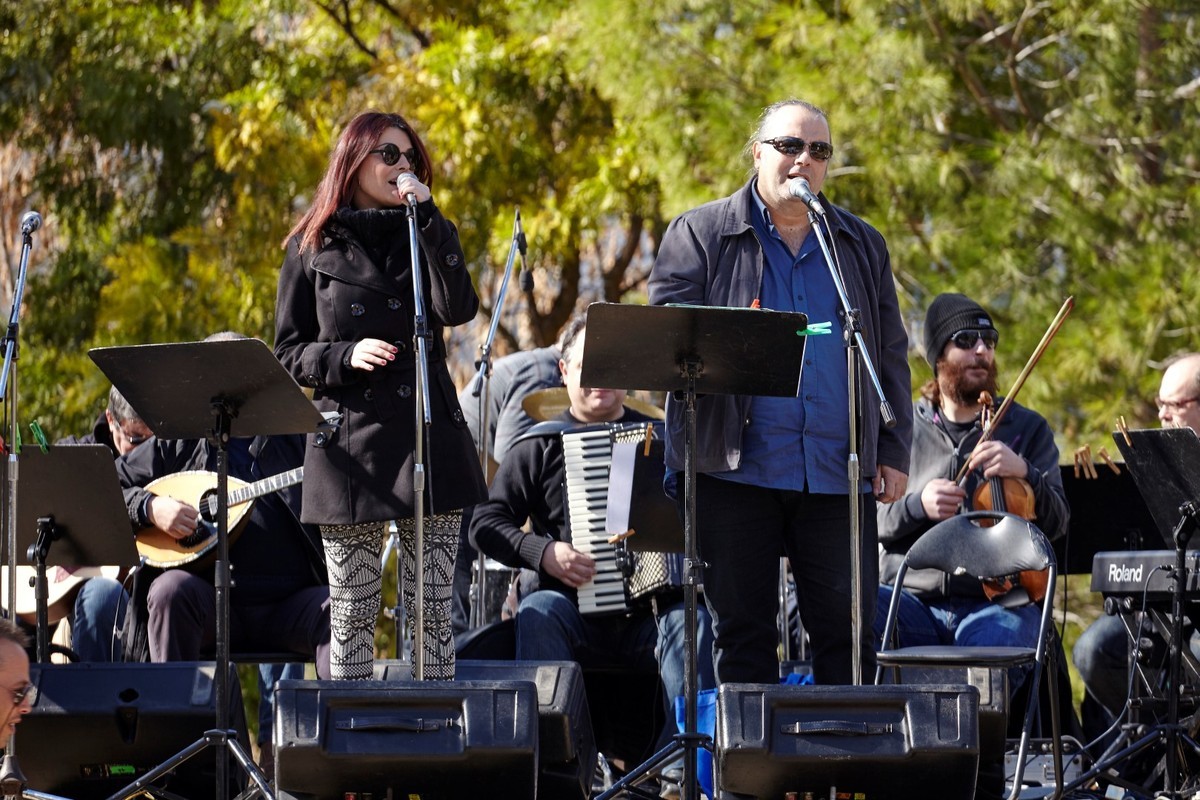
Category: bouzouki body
<point>198,488</point>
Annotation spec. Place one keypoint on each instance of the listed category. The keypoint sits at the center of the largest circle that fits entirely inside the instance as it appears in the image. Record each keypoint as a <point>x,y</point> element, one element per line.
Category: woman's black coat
<point>330,299</point>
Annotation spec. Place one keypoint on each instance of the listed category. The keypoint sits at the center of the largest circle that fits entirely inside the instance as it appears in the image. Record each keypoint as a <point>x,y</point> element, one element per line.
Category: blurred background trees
<point>1017,151</point>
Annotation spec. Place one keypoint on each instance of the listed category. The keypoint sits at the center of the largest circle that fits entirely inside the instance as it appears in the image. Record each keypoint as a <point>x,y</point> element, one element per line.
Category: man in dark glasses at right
<point>960,344</point>
<point>937,608</point>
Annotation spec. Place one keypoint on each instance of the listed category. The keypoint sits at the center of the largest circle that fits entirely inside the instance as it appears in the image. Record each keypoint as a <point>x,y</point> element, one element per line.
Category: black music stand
<point>1165,464</point>
<point>1107,513</point>
<point>691,350</point>
<point>69,495</point>
<point>214,390</point>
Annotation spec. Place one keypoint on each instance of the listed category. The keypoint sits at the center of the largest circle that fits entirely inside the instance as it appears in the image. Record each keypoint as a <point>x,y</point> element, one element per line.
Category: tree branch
<point>1012,58</point>
<point>423,37</point>
<point>344,22</point>
<point>968,76</point>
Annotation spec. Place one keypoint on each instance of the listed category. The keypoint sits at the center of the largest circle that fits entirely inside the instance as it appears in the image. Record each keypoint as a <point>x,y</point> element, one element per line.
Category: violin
<point>1012,496</point>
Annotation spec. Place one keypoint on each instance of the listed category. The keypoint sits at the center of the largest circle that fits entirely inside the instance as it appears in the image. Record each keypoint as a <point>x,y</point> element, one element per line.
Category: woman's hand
<point>371,353</point>
<point>407,184</point>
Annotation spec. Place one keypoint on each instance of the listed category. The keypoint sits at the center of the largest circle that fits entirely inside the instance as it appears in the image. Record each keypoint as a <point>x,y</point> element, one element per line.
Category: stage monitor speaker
<point>872,741</point>
<point>95,728</point>
<point>437,740</point>
<point>992,684</point>
<point>566,745</point>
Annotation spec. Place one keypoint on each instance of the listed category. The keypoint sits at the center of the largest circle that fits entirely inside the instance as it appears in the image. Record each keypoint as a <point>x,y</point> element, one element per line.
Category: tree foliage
<point>1018,151</point>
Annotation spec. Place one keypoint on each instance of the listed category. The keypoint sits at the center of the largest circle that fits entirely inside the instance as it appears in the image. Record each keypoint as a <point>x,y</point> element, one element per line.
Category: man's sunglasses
<point>792,146</point>
<point>965,340</point>
<point>390,154</point>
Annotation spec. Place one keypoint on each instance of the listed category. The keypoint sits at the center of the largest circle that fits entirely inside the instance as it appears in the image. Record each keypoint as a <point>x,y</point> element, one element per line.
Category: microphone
<point>409,197</point>
<point>30,222</point>
<point>801,191</point>
<point>526,275</point>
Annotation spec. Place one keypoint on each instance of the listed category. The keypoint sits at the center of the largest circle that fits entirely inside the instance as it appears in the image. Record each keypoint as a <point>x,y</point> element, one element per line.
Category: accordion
<point>623,578</point>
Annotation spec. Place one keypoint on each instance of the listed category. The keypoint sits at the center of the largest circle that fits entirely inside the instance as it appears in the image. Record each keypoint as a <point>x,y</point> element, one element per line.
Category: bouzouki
<point>199,489</point>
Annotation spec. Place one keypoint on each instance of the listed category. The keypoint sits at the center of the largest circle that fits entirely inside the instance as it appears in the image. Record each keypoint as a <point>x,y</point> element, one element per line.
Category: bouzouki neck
<point>257,489</point>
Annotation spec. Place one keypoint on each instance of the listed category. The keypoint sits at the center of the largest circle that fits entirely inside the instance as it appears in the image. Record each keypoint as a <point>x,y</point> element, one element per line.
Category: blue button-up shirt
<point>799,442</point>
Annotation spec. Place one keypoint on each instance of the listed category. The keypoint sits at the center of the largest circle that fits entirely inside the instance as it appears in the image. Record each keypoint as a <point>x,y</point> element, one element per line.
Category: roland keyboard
<point>1130,573</point>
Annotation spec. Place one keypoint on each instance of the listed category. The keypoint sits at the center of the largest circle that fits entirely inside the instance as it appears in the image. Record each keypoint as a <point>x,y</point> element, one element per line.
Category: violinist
<point>1018,464</point>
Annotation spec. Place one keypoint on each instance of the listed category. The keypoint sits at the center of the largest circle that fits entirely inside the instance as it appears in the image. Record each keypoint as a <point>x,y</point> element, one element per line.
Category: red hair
<point>338,184</point>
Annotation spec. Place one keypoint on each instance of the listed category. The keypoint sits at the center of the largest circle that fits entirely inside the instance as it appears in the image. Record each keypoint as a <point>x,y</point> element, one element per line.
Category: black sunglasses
<point>390,154</point>
<point>966,339</point>
<point>792,146</point>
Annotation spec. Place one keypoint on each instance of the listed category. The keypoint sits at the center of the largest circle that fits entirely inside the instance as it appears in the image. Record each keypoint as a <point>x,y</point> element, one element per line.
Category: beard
<point>954,383</point>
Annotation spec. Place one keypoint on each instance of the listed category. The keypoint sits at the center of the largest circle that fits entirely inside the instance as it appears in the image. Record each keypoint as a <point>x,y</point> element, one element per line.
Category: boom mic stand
<point>482,391</point>
<point>856,354</point>
<point>12,781</point>
<point>699,351</point>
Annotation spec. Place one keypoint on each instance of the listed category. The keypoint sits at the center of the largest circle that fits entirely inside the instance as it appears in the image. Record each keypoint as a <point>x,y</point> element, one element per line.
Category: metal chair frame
<point>960,546</point>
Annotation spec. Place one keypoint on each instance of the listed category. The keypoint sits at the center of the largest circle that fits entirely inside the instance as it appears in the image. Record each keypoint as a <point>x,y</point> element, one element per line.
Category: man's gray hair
<point>120,409</point>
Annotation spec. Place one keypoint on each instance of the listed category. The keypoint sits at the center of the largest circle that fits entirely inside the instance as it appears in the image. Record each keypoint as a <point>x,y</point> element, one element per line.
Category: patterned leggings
<point>356,588</point>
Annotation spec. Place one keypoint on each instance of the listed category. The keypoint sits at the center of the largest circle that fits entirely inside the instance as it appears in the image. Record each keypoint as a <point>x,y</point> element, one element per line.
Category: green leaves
<point>1017,152</point>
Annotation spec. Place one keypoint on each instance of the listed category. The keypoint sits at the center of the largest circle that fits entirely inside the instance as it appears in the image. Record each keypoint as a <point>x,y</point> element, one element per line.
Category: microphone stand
<point>424,421</point>
<point>12,780</point>
<point>856,353</point>
<point>482,389</point>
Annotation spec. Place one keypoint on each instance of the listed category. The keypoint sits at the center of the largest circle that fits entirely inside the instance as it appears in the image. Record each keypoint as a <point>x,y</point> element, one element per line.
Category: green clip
<point>17,444</point>
<point>816,329</point>
<point>39,436</point>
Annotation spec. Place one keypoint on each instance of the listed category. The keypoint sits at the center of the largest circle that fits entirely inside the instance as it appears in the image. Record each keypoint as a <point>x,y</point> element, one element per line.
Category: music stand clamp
<point>1164,464</point>
<point>698,350</point>
<point>213,390</point>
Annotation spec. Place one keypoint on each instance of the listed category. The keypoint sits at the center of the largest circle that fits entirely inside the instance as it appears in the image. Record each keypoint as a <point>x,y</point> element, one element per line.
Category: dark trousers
<point>182,622</point>
<point>743,531</point>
